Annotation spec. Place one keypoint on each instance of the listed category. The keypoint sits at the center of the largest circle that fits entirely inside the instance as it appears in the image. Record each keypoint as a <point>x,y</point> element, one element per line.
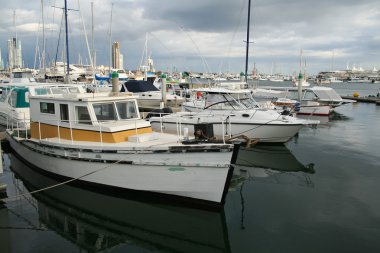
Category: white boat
<point>316,100</point>
<point>23,75</point>
<point>334,79</point>
<point>276,78</point>
<point>304,83</point>
<point>101,141</point>
<point>14,100</point>
<point>225,113</point>
<point>148,96</point>
<point>111,220</point>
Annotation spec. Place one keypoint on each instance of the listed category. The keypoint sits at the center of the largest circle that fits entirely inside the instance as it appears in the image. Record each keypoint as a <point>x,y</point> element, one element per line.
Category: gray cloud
<point>185,34</point>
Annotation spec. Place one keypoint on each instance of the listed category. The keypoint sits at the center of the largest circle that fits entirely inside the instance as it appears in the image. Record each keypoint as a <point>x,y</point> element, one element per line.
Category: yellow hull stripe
<point>49,131</point>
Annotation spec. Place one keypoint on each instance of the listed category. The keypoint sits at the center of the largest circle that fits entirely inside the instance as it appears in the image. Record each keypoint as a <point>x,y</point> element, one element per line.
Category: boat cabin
<point>14,100</point>
<point>221,99</point>
<point>86,117</point>
<point>18,95</point>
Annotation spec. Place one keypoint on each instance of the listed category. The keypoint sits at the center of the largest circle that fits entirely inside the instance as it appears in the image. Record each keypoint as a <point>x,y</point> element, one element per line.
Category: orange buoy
<point>356,94</point>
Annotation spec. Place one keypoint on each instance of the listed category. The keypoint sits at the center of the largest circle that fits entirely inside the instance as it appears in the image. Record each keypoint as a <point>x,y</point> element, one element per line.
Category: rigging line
<point>36,50</point>
<point>234,35</point>
<point>26,220</point>
<point>162,44</point>
<point>59,39</point>
<point>27,199</point>
<point>61,183</point>
<point>85,35</point>
<point>197,49</point>
<point>144,52</point>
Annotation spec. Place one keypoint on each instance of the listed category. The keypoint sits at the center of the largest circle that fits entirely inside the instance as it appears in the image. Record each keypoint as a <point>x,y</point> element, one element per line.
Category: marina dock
<point>373,99</point>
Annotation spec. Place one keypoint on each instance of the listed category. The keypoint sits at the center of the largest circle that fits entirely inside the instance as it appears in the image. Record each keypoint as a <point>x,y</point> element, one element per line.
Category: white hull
<point>123,219</point>
<point>195,176</point>
<point>264,130</point>
<point>156,102</point>
<point>319,110</point>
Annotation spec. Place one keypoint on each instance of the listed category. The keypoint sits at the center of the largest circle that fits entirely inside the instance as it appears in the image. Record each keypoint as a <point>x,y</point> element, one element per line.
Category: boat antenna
<point>43,38</point>
<point>92,41</point>
<point>247,42</point>
<point>67,46</point>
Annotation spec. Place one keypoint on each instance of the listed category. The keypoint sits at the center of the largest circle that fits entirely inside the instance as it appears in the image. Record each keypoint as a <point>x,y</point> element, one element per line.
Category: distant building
<point>116,55</point>
<point>1,61</point>
<point>14,53</point>
<point>121,61</point>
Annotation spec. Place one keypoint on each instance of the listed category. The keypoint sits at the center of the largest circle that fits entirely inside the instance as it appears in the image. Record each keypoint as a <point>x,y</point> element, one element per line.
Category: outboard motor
<point>204,131</point>
<point>297,106</point>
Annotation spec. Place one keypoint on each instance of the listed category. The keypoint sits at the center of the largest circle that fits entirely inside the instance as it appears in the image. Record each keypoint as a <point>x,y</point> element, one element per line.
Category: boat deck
<point>150,141</point>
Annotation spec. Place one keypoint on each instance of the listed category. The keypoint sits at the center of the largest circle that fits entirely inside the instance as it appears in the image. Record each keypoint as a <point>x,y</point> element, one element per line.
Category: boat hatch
<point>204,131</point>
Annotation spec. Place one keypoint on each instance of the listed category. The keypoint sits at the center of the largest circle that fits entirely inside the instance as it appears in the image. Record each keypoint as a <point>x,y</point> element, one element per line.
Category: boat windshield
<point>230,101</point>
<point>56,90</point>
<point>112,111</point>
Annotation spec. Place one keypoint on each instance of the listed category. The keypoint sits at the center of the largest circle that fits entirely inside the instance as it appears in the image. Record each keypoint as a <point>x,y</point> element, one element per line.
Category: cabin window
<point>27,94</point>
<point>310,96</point>
<point>41,91</point>
<point>127,110</point>
<point>13,99</point>
<point>58,90</point>
<point>73,90</point>
<point>83,116</point>
<point>4,94</point>
<point>105,111</point>
<point>64,111</point>
<point>46,107</point>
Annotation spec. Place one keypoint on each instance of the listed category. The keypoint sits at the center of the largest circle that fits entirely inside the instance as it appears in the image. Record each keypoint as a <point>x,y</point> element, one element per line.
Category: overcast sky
<point>204,35</point>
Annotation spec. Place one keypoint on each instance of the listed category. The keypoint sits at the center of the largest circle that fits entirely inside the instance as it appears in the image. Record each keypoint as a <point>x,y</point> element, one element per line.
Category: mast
<point>14,44</point>
<point>67,46</point>
<point>247,46</point>
<point>92,38</point>
<point>43,38</point>
<point>300,79</point>
<point>110,41</point>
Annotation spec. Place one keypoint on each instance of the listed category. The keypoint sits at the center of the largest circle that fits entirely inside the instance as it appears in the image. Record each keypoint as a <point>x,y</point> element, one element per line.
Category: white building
<point>1,61</point>
<point>116,55</point>
<point>14,53</point>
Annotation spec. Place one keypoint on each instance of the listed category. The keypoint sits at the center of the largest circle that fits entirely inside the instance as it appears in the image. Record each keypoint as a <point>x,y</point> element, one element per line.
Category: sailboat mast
<point>92,37</point>
<point>110,40</point>
<point>67,45</point>
<point>247,46</point>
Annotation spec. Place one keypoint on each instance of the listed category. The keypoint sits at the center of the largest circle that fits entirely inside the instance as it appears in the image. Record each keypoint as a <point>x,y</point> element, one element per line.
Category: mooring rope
<point>58,184</point>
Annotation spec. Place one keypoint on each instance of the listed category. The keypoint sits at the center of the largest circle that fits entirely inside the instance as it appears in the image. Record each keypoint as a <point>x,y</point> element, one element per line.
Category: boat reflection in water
<point>268,161</point>
<point>97,222</point>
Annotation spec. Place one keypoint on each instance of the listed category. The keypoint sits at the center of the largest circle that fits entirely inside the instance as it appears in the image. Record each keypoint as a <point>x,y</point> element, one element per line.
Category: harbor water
<point>317,193</point>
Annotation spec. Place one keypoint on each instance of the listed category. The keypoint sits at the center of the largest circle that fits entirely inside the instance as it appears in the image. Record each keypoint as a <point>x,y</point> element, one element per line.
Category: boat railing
<point>98,125</point>
<point>181,120</point>
<point>16,123</point>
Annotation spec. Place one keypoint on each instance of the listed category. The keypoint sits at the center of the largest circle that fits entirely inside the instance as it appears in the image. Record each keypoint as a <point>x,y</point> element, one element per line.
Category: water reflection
<point>325,120</point>
<point>268,162</point>
<point>336,116</point>
<point>97,222</point>
<point>275,157</point>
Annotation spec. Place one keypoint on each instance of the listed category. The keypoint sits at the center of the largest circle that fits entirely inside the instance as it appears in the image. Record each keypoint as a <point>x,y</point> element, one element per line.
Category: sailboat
<point>301,78</point>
